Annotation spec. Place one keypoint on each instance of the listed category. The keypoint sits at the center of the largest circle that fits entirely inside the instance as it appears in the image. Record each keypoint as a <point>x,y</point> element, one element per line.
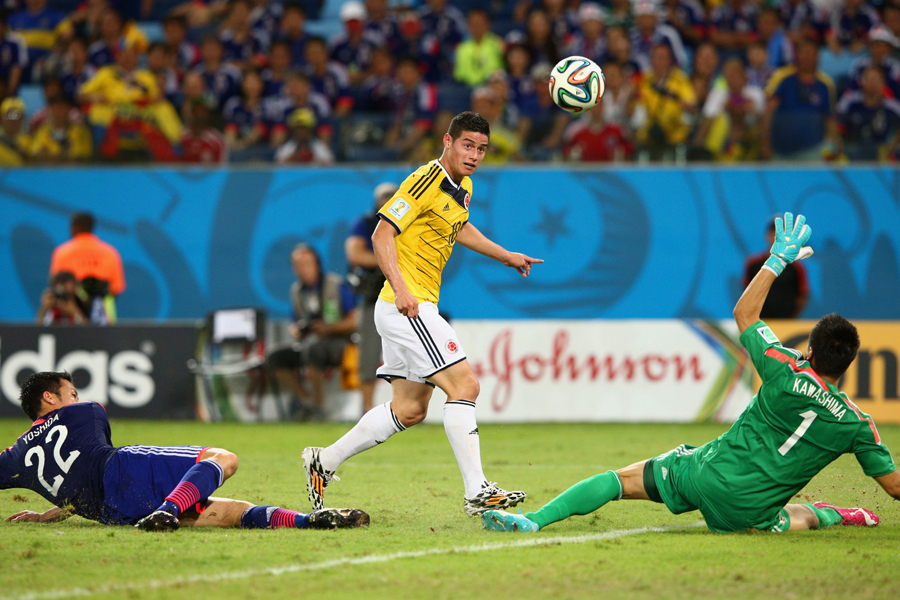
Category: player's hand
<point>521,263</point>
<point>26,516</point>
<point>406,304</point>
<point>790,239</point>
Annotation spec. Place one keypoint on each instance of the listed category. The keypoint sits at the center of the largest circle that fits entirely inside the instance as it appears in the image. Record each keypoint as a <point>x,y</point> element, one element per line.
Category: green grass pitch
<point>421,544</point>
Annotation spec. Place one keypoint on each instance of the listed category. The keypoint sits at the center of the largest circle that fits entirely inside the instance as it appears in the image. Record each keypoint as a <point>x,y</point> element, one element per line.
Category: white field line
<point>155,584</point>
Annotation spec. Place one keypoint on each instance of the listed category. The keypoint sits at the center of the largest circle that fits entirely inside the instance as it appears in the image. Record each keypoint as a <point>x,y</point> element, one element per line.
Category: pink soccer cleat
<point>853,516</point>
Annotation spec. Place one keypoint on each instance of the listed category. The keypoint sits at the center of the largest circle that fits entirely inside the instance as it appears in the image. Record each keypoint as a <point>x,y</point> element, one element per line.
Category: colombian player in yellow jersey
<point>796,425</point>
<point>413,240</point>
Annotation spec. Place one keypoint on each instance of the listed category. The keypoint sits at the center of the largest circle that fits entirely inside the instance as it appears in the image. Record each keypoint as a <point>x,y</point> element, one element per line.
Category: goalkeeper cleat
<point>158,520</point>
<point>317,478</point>
<point>338,518</point>
<point>498,520</point>
<point>852,516</point>
<point>491,497</point>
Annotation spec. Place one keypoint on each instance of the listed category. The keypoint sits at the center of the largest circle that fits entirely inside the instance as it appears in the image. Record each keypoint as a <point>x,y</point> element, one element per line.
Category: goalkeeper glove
<point>790,237</point>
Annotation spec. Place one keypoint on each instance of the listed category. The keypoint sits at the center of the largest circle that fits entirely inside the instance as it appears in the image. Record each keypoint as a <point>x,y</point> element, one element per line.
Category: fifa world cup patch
<point>399,208</point>
<point>451,346</point>
<point>768,335</point>
<point>466,200</point>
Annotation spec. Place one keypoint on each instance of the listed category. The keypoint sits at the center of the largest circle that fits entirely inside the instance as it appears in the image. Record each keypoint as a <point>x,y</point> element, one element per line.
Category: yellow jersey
<point>427,211</point>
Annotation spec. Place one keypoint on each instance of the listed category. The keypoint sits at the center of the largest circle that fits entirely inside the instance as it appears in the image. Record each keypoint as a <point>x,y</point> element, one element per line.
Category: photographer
<point>60,303</point>
<point>324,319</point>
<point>367,281</point>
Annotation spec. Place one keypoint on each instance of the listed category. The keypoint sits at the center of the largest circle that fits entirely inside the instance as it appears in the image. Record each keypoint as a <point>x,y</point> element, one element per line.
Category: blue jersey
<point>62,458</point>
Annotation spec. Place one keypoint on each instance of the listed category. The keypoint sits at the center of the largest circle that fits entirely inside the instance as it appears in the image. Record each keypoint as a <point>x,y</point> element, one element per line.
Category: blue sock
<point>272,517</point>
<point>198,483</point>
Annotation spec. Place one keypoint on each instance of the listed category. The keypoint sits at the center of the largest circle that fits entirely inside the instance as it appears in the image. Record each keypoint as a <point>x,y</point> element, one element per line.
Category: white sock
<point>462,431</point>
<point>375,427</point>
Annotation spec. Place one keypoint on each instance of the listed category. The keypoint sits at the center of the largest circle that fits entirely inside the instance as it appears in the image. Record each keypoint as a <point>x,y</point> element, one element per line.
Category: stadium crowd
<point>216,81</point>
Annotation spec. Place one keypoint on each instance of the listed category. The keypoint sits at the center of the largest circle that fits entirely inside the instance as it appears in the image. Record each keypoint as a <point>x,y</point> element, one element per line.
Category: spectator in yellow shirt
<point>481,54</point>
<point>128,97</point>
<point>60,139</point>
<point>13,139</point>
<point>667,103</point>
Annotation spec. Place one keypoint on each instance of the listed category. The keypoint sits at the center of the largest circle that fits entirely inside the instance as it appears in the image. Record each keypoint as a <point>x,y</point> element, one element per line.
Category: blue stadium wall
<point>618,243</point>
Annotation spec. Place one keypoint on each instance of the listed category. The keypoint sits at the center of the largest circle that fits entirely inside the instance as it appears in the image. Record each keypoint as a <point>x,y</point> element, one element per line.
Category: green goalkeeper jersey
<point>794,427</point>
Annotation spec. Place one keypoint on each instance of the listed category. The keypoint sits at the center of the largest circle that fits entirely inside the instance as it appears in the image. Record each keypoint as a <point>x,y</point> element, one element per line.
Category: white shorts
<point>415,349</point>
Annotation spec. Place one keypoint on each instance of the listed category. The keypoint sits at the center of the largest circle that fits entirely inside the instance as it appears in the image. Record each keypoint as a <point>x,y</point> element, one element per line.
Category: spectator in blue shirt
<point>589,40</point>
<point>297,93</point>
<point>241,44</point>
<point>279,64</point>
<point>353,46</point>
<point>799,110</point>
<point>382,23</point>
<point>770,31</point>
<point>13,58</point>
<point>244,117</point>
<point>328,77</point>
<point>414,108</point>
<point>77,69</point>
<point>803,18</point>
<point>732,23</point>
<point>446,24</point>
<point>688,18</point>
<point>869,121</point>
<point>175,36</point>
<point>850,25</point>
<point>222,79</point>
<point>292,29</point>
<point>882,43</point>
<point>37,25</point>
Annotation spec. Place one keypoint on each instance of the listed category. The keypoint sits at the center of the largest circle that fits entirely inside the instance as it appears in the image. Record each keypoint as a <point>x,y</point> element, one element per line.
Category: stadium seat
<point>152,29</point>
<point>331,9</point>
<point>326,28</point>
<point>32,95</point>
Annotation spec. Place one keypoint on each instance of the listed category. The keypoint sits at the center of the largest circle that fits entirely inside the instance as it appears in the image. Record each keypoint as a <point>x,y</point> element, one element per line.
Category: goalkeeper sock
<point>581,499</point>
<point>462,431</point>
<point>198,483</point>
<point>272,517</point>
<point>827,516</point>
<point>375,427</point>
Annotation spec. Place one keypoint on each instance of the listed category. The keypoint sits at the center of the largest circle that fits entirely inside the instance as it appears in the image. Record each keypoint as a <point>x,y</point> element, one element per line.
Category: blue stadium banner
<point>134,371</point>
<point>619,243</point>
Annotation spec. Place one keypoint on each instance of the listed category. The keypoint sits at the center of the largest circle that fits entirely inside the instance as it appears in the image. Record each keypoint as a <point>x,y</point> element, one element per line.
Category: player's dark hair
<point>834,342</point>
<point>34,387</point>
<point>468,121</point>
<point>83,222</point>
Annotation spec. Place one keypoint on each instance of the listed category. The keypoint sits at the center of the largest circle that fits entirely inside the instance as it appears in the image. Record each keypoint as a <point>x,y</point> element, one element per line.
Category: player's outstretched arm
<point>386,253</point>
<point>790,237</point>
<point>470,237</point>
<point>50,516</point>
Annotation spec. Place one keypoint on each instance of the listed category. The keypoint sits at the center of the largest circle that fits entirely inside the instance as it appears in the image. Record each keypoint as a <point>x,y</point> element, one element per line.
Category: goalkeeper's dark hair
<point>834,342</point>
<point>468,121</point>
<point>34,387</point>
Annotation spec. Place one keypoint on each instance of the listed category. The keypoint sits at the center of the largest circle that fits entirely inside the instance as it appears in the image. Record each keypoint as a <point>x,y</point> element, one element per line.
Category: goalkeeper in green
<point>796,425</point>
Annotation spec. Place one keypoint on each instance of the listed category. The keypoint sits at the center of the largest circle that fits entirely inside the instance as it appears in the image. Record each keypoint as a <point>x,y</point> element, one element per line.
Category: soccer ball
<point>576,84</point>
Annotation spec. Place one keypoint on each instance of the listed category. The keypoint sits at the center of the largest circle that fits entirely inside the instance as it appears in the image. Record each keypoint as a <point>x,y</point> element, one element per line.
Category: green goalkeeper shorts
<point>668,479</point>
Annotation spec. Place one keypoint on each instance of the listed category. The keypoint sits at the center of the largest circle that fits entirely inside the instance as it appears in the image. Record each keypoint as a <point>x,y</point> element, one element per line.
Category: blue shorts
<point>137,480</point>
